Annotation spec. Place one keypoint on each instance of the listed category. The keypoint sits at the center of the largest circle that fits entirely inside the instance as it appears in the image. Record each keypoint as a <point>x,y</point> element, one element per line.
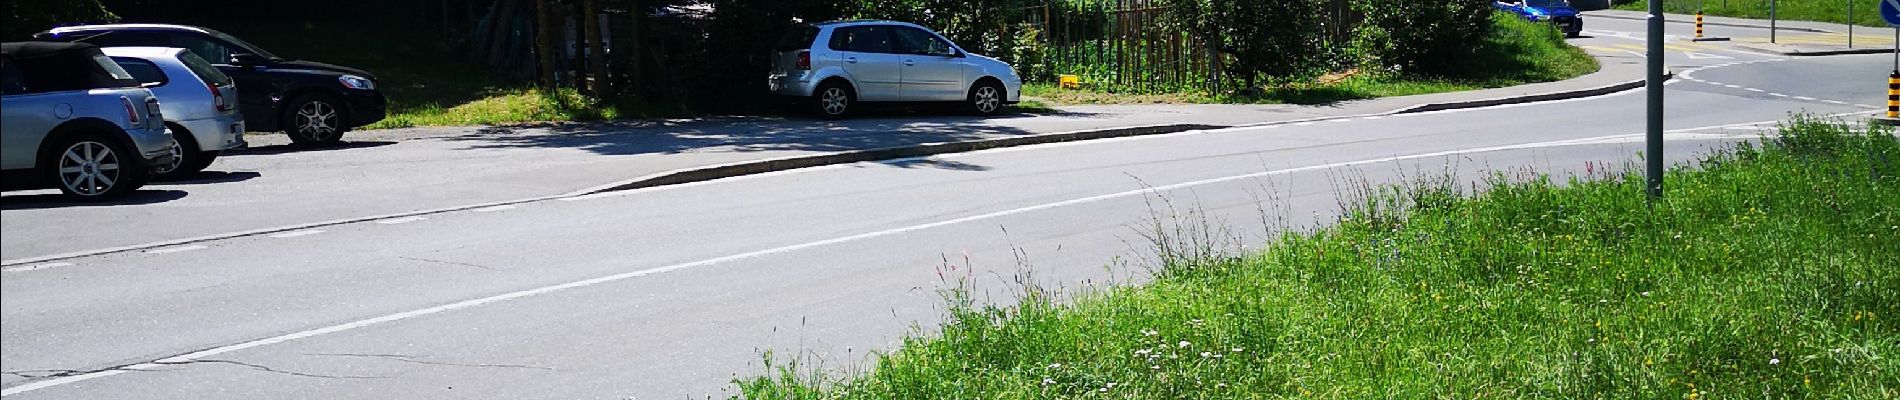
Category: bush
<point>26,17</point>
<point>1422,38</point>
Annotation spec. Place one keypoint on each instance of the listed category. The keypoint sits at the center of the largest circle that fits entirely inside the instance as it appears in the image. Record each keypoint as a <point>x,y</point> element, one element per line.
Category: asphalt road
<point>672,292</point>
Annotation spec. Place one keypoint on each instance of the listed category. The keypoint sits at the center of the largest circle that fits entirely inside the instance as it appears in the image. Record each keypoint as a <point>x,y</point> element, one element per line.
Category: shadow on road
<point>877,129</point>
<point>299,148</point>
<point>213,177</point>
<point>52,201</point>
<point>922,163</point>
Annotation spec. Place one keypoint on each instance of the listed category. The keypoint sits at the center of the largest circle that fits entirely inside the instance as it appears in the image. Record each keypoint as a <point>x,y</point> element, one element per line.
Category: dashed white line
<point>1804,98</point>
<point>1713,83</point>
<point>504,207</point>
<point>1866,106</point>
<point>1341,120</point>
<point>1777,95</point>
<point>1373,118</point>
<point>403,220</point>
<point>179,249</point>
<point>1732,86</point>
<point>1307,123</point>
<point>302,233</point>
<point>1834,102</point>
<point>38,266</point>
<point>1755,90</point>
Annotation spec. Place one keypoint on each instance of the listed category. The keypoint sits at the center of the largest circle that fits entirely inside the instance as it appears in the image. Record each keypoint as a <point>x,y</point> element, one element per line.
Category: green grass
<point>1835,11</point>
<point>1520,52</point>
<point>1768,272</point>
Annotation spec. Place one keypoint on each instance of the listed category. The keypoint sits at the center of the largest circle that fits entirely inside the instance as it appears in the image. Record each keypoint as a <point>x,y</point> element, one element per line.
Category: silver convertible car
<point>833,66</point>
<point>71,116</point>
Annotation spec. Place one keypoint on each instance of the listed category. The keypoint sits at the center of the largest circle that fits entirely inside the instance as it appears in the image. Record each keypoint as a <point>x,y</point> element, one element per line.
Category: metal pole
<point>1654,154</point>
<point>1773,21</point>
<point>1850,24</point>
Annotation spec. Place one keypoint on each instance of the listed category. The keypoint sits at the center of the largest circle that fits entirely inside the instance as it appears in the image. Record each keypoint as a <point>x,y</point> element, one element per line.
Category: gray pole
<point>1654,154</point>
<point>1850,24</point>
<point>1773,21</point>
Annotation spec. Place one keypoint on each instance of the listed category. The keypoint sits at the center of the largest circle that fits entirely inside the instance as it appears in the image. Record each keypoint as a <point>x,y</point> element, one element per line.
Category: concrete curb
<point>1531,98</point>
<point>1706,23</point>
<point>1818,53</point>
<point>744,168</point>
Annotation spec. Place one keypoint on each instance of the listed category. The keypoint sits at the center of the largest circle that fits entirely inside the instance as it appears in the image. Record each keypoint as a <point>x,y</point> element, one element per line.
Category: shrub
<point>1423,38</point>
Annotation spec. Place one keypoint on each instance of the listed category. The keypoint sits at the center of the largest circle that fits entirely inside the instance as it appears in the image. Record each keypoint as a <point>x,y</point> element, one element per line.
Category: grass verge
<point>1767,273</point>
<point>1834,11</point>
<point>1520,52</point>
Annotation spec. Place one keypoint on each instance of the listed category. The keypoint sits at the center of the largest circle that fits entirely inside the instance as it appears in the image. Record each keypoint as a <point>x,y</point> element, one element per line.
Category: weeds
<point>1768,272</point>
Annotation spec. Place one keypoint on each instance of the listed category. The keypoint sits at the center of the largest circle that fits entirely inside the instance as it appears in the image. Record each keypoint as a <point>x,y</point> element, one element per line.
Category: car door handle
<point>851,60</point>
<point>910,63</point>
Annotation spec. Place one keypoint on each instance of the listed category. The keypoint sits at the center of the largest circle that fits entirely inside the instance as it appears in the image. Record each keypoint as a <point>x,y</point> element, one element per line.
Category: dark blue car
<point>1556,12</point>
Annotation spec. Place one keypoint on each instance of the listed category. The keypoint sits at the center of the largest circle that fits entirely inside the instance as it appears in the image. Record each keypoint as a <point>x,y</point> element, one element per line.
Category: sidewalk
<point>1791,38</point>
<point>401,172</point>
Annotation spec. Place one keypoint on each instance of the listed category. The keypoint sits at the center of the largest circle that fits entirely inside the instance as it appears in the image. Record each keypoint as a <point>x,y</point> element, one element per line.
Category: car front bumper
<point>366,107</point>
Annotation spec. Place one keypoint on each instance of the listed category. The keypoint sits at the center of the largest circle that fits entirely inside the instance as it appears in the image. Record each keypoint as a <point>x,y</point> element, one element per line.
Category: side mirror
<point>246,59</point>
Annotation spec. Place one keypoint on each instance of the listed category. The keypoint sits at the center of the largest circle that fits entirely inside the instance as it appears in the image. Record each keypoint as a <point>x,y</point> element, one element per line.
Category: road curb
<point>744,168</point>
<point>1819,53</point>
<point>1706,23</point>
<point>1531,98</point>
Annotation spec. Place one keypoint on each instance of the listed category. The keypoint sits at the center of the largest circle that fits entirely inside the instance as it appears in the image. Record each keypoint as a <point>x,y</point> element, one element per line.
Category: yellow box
<point>1069,82</point>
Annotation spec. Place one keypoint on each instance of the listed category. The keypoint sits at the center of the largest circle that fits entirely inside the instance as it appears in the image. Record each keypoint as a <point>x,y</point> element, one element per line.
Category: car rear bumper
<point>792,85</point>
<point>216,133</point>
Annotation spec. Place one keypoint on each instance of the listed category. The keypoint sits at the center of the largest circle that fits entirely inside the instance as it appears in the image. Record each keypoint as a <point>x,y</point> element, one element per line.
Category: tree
<point>26,17</point>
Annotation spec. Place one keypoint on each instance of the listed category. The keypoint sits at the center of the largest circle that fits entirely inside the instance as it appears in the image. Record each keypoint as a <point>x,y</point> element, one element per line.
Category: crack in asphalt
<point>417,360</point>
<point>433,261</point>
<point>145,367</point>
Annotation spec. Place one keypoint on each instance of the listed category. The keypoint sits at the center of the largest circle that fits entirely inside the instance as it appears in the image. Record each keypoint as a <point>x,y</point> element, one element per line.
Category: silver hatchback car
<point>71,116</point>
<point>835,65</point>
<point>199,102</point>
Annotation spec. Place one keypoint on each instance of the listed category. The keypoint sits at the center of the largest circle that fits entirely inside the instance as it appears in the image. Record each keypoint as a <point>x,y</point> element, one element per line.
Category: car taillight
<point>804,61</point>
<point>217,98</point>
<point>131,113</point>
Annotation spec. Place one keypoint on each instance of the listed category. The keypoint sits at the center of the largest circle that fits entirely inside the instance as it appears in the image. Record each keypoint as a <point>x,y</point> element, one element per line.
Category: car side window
<point>917,41</point>
<point>12,81</point>
<point>143,71</point>
<point>215,51</point>
<point>863,39</point>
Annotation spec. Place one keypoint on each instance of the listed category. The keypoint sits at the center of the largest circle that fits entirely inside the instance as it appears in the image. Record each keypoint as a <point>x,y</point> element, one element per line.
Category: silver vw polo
<point>833,66</point>
<point>199,102</point>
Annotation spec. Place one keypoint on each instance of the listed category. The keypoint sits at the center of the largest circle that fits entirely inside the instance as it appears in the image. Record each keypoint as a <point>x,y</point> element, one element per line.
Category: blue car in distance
<point>1556,12</point>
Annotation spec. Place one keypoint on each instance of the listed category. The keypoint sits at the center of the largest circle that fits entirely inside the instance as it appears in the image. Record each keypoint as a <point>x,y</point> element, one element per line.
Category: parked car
<point>312,102</point>
<point>71,117</point>
<point>833,66</point>
<point>199,103</point>
<point>1556,12</point>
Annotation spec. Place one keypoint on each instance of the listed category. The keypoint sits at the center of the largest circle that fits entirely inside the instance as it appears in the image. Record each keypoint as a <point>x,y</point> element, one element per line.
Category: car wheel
<point>315,119</point>
<point>187,158</point>
<point>986,98</point>
<point>833,101</point>
<point>94,167</point>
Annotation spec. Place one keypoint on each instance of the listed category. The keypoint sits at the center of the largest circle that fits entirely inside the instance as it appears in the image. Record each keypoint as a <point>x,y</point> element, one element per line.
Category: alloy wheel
<point>316,121</point>
<point>89,168</point>
<point>835,101</point>
<point>178,159</point>
<point>987,99</point>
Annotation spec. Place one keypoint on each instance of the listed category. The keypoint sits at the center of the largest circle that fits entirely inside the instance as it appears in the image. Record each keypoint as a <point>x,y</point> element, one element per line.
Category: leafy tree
<point>1428,38</point>
<point>26,17</point>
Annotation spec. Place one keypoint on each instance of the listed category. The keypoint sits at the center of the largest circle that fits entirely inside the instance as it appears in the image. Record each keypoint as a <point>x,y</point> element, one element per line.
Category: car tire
<point>189,159</point>
<point>833,101</point>
<point>315,119</point>
<point>986,98</point>
<point>92,167</point>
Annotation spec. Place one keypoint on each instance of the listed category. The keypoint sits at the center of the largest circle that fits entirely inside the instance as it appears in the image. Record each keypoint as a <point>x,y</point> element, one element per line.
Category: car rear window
<point>204,70</point>
<point>798,39</point>
<point>124,79</point>
<point>144,71</point>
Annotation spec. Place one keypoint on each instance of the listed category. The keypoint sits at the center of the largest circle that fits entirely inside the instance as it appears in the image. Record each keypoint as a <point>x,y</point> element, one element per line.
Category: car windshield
<point>1547,3</point>
<point>246,45</point>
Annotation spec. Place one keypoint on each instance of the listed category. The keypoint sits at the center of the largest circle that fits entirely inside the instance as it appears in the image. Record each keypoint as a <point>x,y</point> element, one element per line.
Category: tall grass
<point>1769,272</point>
<point>1865,12</point>
<point>1520,52</point>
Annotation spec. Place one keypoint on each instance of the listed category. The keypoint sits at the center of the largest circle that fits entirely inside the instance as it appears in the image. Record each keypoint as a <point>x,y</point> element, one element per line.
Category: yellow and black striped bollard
<point>1698,24</point>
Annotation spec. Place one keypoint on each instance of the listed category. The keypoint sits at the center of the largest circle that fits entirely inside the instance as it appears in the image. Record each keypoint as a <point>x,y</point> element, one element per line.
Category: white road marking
<point>403,220</point>
<point>37,266</point>
<point>292,234</point>
<point>1307,123</point>
<point>201,354</point>
<point>1341,120</point>
<point>1834,102</point>
<point>179,249</point>
<point>1373,118</point>
<point>1777,95</point>
<point>1865,106</point>
<point>1804,98</point>
<point>1732,86</point>
<point>1755,90</point>
<point>504,207</point>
